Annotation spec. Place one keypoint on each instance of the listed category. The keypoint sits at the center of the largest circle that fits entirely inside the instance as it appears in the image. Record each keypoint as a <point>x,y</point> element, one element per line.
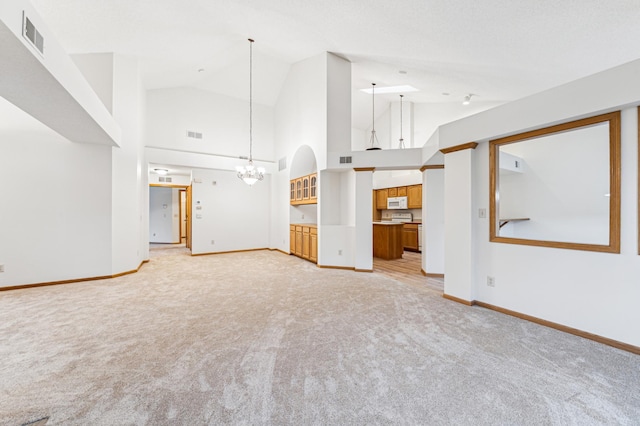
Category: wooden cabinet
<point>381,199</point>
<point>387,241</point>
<point>292,238</point>
<point>413,194</point>
<point>304,190</point>
<point>410,237</point>
<point>304,241</point>
<point>414,197</point>
<point>313,185</point>
<point>313,245</point>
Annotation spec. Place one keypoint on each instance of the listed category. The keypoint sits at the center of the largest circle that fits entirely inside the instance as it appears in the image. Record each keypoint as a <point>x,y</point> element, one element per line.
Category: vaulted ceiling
<point>499,50</point>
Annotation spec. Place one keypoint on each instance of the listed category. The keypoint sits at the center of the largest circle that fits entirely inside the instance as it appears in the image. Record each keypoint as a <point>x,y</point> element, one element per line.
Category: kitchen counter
<point>387,240</point>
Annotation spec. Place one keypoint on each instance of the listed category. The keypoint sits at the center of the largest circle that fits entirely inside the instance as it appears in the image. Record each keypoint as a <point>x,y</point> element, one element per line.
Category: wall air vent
<point>30,33</point>
<point>165,179</point>
<point>282,164</point>
<point>345,160</point>
<point>194,135</point>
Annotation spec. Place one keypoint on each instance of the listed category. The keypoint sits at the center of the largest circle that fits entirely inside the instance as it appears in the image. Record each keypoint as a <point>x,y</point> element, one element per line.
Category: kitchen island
<point>387,240</point>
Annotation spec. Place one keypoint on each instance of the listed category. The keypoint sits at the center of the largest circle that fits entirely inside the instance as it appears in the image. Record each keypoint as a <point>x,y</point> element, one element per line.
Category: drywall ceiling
<point>499,50</point>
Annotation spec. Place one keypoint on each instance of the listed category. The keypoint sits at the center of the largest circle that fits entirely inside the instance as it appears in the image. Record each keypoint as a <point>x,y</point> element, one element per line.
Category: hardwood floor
<point>407,270</point>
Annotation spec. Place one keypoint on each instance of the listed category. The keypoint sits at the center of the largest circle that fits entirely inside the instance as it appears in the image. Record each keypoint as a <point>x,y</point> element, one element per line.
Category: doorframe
<point>187,189</point>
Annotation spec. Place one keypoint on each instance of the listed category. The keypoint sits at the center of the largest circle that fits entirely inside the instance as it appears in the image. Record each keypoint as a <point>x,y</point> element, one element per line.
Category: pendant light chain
<point>250,100</point>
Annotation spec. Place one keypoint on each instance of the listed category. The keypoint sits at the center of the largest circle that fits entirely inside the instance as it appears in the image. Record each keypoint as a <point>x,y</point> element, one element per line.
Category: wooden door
<point>414,197</point>
<point>298,248</point>
<point>306,240</point>
<point>313,185</point>
<point>381,199</point>
<point>313,245</point>
<point>188,218</point>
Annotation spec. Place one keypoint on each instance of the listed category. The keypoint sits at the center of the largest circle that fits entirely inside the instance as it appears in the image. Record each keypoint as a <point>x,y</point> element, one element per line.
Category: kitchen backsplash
<point>417,214</point>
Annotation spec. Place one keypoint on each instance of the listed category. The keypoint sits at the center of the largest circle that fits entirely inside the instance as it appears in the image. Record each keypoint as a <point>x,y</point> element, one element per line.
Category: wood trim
<point>469,145</point>
<point>363,270</point>
<point>458,300</point>
<point>76,280</point>
<point>427,274</point>
<point>364,169</point>
<point>160,185</point>
<point>614,184</point>
<point>281,251</point>
<point>227,252</point>
<point>346,268</point>
<point>432,167</point>
<point>596,338</point>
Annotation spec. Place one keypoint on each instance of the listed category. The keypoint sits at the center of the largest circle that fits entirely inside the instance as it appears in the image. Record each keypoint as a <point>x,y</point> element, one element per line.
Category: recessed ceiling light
<point>391,89</point>
<point>161,171</point>
<point>445,93</point>
<point>402,72</point>
<point>201,70</point>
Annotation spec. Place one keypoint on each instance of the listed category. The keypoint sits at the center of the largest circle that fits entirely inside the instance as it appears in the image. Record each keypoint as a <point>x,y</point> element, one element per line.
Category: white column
<point>364,218</point>
<point>458,211</point>
<point>433,219</point>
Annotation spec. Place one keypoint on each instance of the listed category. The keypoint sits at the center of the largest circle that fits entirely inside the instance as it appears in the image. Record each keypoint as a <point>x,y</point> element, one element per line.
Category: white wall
<point>232,214</point>
<point>55,218</point>
<point>164,215</point>
<point>392,178</point>
<point>433,221</point>
<point>127,180</point>
<point>223,121</point>
<point>589,291</point>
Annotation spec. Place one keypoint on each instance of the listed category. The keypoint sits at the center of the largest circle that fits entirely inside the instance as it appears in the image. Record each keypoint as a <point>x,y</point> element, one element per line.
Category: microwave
<point>396,203</point>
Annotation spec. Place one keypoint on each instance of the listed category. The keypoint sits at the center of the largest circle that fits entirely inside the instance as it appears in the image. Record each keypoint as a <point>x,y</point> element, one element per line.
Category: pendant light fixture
<point>467,99</point>
<point>249,173</point>
<point>401,146</point>
<point>373,142</point>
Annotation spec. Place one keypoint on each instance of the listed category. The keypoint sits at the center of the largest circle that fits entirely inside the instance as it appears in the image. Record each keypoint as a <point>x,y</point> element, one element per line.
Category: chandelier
<point>249,173</point>
<point>373,141</point>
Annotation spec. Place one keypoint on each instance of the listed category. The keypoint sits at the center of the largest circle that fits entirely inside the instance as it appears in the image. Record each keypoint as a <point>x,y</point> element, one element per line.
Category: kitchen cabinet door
<point>414,197</point>
<point>305,188</point>
<point>402,191</point>
<point>298,250</point>
<point>292,191</point>
<point>381,199</point>
<point>292,239</point>
<point>306,241</point>
<point>410,237</point>
<point>313,185</point>
<point>313,245</point>
<point>298,190</point>
<point>392,192</point>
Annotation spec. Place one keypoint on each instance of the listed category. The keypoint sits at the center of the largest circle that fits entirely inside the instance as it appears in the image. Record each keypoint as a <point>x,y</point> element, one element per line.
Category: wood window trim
<point>614,183</point>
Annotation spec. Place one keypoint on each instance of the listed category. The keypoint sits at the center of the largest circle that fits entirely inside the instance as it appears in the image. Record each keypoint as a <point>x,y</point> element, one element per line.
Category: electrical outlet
<point>339,252</point>
<point>1,268</point>
<point>491,281</point>
<point>213,242</point>
<point>303,216</point>
<point>482,213</point>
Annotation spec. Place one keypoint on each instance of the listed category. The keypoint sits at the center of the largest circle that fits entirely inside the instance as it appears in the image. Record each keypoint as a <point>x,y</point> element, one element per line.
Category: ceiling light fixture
<point>249,173</point>
<point>467,99</point>
<point>373,141</point>
<point>161,171</point>
<point>401,146</point>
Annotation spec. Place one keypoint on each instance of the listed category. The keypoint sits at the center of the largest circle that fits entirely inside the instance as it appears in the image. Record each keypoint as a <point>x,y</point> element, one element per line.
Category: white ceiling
<point>499,50</point>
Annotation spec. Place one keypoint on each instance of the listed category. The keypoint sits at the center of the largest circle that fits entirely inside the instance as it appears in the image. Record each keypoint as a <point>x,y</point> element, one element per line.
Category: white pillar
<point>364,219</point>
<point>458,210</point>
<point>433,220</point>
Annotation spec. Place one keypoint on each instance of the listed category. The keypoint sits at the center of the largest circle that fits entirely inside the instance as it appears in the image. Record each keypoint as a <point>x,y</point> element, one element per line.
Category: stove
<point>401,217</point>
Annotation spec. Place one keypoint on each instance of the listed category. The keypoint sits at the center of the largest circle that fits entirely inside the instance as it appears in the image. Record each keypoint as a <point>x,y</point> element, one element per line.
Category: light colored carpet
<point>264,338</point>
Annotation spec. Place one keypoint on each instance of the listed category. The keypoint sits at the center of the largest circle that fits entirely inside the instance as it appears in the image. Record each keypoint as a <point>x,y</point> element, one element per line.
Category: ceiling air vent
<point>194,135</point>
<point>345,160</point>
<point>30,32</point>
<point>282,164</point>
<point>165,179</point>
